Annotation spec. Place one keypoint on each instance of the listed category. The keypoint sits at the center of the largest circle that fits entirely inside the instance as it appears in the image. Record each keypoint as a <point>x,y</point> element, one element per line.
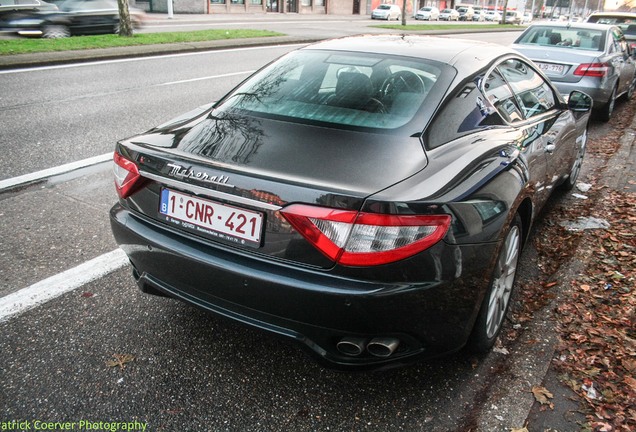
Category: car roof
<point>578,25</point>
<point>445,50</point>
<point>614,14</point>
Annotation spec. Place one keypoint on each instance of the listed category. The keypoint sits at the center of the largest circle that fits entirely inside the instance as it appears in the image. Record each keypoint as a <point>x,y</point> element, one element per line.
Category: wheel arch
<point>525,211</point>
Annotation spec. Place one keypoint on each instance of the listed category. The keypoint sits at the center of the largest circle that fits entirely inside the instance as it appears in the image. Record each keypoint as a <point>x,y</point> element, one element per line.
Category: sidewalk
<point>619,174</point>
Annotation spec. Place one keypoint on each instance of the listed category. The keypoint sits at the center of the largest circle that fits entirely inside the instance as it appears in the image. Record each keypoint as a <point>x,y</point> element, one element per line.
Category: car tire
<point>630,90</point>
<point>605,114</point>
<point>575,170</point>
<point>496,301</point>
<point>55,31</point>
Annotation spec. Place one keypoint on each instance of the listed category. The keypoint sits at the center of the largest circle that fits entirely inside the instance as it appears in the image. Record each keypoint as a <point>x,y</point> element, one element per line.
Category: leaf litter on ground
<point>596,355</point>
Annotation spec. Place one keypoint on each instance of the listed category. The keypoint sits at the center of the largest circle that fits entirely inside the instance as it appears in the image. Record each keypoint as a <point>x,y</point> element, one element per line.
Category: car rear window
<point>612,19</point>
<point>341,88</point>
<point>567,37</point>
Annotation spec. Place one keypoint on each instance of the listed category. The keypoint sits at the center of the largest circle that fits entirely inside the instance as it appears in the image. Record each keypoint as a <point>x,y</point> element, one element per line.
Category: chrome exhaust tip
<point>383,346</point>
<point>351,346</point>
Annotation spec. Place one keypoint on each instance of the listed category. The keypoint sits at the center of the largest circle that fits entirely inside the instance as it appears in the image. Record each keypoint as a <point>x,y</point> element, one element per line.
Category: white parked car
<point>493,16</point>
<point>527,18</point>
<point>449,15</point>
<point>427,13</point>
<point>513,17</point>
<point>387,12</point>
<point>479,15</point>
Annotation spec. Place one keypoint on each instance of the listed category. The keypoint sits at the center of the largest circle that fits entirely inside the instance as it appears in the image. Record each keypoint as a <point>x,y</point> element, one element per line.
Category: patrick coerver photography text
<point>81,425</point>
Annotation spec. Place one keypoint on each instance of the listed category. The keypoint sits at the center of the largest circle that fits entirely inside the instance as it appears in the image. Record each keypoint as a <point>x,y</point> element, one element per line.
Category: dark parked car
<point>593,58</point>
<point>74,17</point>
<point>16,9</point>
<point>10,6</point>
<point>367,197</point>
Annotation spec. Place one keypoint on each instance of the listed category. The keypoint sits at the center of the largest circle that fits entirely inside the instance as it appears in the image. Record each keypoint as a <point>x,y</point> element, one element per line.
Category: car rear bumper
<point>590,86</point>
<point>313,307</point>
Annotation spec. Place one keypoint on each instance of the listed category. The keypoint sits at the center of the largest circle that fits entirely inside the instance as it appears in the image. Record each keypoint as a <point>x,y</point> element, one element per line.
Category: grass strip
<point>24,46</point>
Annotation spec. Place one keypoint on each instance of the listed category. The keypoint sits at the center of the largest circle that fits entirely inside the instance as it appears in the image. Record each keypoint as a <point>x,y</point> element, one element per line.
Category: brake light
<point>366,239</point>
<point>127,177</point>
<point>592,69</point>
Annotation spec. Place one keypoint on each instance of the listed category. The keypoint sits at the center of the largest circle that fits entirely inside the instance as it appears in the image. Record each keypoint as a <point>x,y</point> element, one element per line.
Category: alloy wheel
<point>608,110</point>
<point>503,281</point>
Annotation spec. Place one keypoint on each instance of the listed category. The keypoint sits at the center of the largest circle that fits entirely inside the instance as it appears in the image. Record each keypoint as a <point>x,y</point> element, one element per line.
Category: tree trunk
<point>125,25</point>
<point>403,12</point>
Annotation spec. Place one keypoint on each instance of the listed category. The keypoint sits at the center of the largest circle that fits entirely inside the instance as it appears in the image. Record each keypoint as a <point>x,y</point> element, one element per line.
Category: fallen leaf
<point>542,395</point>
<point>120,360</point>
<point>630,381</point>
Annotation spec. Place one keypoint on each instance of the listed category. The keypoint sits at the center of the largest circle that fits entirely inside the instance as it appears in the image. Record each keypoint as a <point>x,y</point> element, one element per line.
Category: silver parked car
<point>592,58</point>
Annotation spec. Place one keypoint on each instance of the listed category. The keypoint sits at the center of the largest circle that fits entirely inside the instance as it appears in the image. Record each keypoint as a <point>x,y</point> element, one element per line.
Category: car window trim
<point>556,109</point>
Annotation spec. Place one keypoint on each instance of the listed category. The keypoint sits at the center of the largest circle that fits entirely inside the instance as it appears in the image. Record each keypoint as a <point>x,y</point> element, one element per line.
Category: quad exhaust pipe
<point>382,347</point>
<point>351,346</point>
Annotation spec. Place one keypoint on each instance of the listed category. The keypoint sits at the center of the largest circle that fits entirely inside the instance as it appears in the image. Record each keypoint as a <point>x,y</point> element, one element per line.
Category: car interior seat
<point>555,38</point>
<point>354,90</point>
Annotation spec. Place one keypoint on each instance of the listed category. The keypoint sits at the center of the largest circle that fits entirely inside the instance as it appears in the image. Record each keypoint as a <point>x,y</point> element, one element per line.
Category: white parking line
<point>205,78</point>
<point>48,289</point>
<point>143,59</point>
<point>50,172</point>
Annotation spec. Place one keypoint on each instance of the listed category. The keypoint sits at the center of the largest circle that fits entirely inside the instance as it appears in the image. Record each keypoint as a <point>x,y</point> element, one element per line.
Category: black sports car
<point>368,197</point>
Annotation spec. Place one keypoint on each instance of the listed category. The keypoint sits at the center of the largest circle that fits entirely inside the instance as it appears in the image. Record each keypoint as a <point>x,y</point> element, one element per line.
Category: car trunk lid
<point>559,64</point>
<point>243,170</point>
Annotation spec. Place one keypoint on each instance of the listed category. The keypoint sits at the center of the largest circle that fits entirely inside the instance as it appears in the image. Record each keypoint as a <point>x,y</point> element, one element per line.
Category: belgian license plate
<point>212,218</point>
<point>551,68</point>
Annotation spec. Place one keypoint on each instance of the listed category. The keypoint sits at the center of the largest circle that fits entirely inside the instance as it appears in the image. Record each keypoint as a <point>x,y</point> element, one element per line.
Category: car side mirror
<point>579,102</point>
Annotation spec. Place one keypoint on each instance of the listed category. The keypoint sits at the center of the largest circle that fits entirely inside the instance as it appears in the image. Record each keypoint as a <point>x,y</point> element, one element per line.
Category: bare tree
<point>125,25</point>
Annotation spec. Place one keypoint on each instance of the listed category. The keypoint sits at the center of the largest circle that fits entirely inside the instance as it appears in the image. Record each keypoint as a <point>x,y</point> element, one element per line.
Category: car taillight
<point>366,239</point>
<point>127,177</point>
<point>592,69</point>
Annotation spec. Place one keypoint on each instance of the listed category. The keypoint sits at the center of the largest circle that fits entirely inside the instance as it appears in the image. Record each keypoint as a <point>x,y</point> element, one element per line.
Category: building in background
<point>545,8</point>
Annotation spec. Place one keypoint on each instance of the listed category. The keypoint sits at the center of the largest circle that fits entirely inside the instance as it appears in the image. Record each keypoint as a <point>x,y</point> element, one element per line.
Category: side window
<point>464,112</point>
<point>621,43</point>
<point>615,46</point>
<point>500,96</point>
<point>533,94</point>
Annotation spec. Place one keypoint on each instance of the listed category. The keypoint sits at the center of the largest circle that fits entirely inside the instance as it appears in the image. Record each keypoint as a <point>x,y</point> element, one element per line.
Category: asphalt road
<point>191,371</point>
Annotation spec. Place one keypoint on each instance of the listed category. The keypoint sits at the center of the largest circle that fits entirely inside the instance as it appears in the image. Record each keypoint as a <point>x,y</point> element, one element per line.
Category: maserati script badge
<point>182,172</point>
